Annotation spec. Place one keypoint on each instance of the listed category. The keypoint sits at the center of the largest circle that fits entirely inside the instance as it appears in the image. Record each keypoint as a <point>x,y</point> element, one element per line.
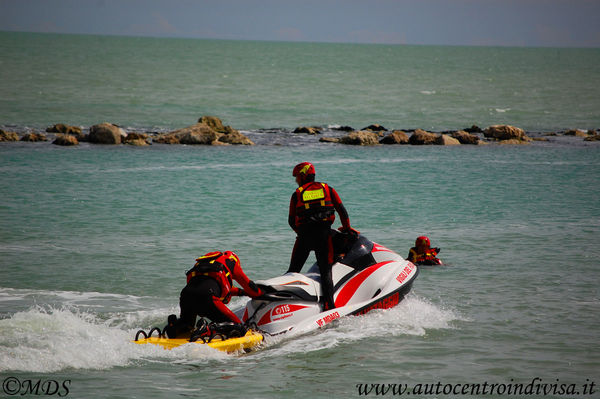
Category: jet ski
<point>366,276</point>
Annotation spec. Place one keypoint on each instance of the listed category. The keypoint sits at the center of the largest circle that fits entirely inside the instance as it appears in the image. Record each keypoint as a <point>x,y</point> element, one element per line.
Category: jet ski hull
<point>368,277</point>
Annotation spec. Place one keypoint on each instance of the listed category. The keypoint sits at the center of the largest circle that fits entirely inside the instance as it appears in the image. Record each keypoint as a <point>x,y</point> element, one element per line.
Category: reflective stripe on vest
<point>430,254</point>
<point>313,203</point>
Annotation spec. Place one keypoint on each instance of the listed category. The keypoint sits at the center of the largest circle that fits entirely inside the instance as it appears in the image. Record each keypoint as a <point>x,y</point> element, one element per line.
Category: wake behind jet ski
<point>366,276</point>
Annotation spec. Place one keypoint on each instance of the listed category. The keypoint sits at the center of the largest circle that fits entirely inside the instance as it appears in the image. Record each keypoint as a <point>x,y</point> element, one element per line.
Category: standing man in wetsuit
<point>312,212</point>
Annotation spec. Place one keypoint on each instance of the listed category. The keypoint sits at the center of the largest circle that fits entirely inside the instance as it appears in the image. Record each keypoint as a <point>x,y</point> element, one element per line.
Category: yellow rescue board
<point>249,341</point>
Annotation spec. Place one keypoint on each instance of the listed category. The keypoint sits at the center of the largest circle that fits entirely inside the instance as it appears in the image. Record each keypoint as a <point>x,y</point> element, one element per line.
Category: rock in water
<point>106,133</point>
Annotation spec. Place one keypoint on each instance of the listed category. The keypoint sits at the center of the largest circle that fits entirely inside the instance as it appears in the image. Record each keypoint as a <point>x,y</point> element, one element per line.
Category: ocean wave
<point>48,339</point>
<point>414,316</point>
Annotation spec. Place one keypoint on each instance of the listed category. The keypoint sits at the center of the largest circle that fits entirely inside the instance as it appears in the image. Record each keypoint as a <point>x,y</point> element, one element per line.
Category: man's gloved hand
<point>349,230</point>
<point>257,289</point>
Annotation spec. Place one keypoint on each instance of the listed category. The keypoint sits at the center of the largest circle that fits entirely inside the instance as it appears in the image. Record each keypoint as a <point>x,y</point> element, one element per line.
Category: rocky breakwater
<point>66,135</point>
<point>61,128</point>
<point>208,131</point>
<point>506,134</point>
<point>362,137</point>
<point>495,134</point>
<point>8,136</point>
<point>34,137</point>
<point>137,139</point>
<point>395,137</point>
<point>65,140</point>
<point>308,130</point>
<point>106,133</point>
<point>31,137</point>
<point>376,134</point>
<point>589,135</point>
<point>367,136</point>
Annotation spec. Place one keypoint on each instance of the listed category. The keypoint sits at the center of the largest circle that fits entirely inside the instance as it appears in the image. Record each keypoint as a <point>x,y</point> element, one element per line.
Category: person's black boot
<point>170,329</point>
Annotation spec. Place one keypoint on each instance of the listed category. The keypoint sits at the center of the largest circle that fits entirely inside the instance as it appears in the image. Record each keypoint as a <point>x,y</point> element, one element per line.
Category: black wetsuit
<point>316,236</point>
<point>196,299</point>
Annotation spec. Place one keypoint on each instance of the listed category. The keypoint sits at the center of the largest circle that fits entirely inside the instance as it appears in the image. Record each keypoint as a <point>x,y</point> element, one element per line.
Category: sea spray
<point>48,339</point>
<point>414,316</point>
<point>52,339</point>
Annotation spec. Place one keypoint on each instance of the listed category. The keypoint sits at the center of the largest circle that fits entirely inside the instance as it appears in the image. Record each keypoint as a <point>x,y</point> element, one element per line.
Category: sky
<point>530,23</point>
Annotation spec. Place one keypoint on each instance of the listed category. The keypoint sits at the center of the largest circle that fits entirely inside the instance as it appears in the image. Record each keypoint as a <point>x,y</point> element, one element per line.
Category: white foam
<point>413,316</point>
<point>50,339</point>
<point>47,340</point>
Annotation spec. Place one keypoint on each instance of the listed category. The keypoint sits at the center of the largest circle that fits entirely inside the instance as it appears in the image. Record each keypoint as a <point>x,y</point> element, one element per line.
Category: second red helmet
<point>422,240</point>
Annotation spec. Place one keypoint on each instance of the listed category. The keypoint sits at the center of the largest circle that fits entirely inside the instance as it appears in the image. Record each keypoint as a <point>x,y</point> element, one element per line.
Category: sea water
<point>95,240</point>
<point>166,84</point>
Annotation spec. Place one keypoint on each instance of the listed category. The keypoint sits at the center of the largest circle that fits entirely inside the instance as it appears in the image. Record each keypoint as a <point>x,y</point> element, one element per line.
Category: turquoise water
<point>95,240</point>
<point>164,84</point>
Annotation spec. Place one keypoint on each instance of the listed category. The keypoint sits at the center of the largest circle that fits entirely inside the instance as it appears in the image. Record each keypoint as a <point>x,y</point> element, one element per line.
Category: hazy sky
<point>564,23</point>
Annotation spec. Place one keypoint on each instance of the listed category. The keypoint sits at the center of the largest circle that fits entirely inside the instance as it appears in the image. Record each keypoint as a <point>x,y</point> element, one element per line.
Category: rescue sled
<point>366,276</point>
<point>248,342</point>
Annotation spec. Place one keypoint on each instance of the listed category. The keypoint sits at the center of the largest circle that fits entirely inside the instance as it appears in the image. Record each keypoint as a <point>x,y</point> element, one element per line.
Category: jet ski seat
<point>286,292</point>
<point>353,251</point>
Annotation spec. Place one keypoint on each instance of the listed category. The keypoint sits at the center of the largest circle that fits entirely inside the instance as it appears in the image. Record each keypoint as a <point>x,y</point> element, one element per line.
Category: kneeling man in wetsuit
<point>209,288</point>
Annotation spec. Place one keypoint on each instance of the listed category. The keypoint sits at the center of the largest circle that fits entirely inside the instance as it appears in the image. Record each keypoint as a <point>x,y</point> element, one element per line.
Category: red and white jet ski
<point>366,276</point>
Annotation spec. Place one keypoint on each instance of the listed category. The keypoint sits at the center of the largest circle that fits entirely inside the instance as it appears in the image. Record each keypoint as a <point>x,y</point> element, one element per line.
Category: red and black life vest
<point>429,257</point>
<point>314,204</point>
<point>219,266</point>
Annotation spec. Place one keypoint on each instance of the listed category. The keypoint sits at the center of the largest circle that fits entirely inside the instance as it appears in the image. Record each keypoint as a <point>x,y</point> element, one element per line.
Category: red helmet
<point>304,169</point>
<point>211,256</point>
<point>423,240</point>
